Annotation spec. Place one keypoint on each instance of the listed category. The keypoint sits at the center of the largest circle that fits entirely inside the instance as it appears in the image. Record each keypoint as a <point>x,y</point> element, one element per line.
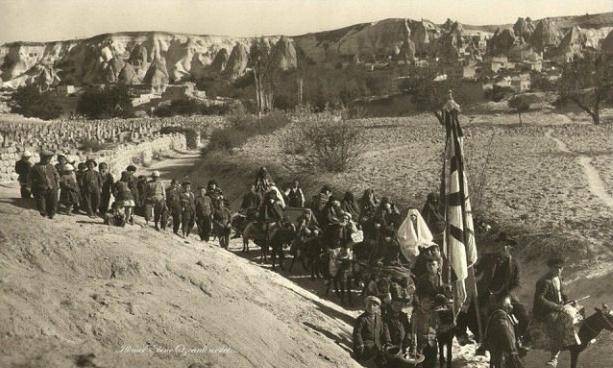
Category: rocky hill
<point>159,58</point>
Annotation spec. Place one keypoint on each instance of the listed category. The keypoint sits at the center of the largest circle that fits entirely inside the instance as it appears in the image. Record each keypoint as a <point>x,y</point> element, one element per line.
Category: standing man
<point>188,209</point>
<point>204,207</point>
<point>44,180</point>
<point>500,335</point>
<point>370,333</point>
<point>92,184</point>
<point>221,223</point>
<point>22,168</point>
<point>155,199</point>
<point>107,187</point>
<point>133,185</point>
<point>173,202</point>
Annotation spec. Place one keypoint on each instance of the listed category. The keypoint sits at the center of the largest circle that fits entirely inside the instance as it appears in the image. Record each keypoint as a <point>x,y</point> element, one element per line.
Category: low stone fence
<point>118,142</point>
<point>118,158</point>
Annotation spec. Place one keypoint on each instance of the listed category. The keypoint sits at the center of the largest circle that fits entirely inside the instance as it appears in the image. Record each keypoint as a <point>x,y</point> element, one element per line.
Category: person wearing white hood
<point>414,234</point>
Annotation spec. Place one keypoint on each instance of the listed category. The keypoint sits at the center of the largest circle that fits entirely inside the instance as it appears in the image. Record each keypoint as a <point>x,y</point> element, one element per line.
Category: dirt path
<point>596,184</point>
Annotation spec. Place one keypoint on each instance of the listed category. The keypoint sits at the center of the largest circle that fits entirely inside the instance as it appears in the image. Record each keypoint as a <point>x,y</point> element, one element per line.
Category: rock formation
<point>545,35</point>
<point>523,29</point>
<point>237,62</point>
<point>501,42</point>
<point>284,54</point>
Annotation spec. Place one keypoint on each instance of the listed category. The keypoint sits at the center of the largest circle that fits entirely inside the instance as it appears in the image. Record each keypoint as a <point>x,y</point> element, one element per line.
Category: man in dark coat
<point>549,301</point>
<point>319,202</point>
<point>188,209</point>
<point>133,185</point>
<point>92,184</point>
<point>334,223</point>
<point>22,168</point>
<point>221,223</point>
<point>398,322</point>
<point>107,187</point>
<point>370,333</point>
<point>173,202</point>
<point>155,200</point>
<point>204,211</point>
<point>295,195</point>
<point>44,180</point>
<point>500,335</point>
<point>503,278</point>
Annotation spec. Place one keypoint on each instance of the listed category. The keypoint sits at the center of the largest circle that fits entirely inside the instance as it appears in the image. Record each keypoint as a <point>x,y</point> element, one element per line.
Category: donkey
<point>591,327</point>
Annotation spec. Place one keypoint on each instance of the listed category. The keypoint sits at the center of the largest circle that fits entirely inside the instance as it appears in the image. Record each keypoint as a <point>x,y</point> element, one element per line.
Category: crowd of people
<point>407,301</point>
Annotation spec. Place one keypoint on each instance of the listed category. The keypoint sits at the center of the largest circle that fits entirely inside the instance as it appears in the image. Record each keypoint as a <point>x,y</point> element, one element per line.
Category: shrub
<point>243,126</point>
<point>332,143</point>
<point>31,102</point>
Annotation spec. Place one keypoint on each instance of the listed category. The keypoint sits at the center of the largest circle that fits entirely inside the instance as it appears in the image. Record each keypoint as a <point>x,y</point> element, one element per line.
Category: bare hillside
<point>77,293</point>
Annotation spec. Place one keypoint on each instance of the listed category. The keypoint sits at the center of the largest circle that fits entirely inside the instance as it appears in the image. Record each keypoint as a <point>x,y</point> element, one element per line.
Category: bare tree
<point>587,81</point>
<point>262,65</point>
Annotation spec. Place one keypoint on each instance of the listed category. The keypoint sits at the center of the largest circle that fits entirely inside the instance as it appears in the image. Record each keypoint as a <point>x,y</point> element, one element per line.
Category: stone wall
<point>118,158</point>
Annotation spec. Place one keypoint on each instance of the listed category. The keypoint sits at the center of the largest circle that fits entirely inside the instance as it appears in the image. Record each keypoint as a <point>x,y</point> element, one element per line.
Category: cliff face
<point>157,58</point>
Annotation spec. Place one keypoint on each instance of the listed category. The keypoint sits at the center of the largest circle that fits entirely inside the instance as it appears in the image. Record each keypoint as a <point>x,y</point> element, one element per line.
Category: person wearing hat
<point>69,189</point>
<point>398,322</point>
<point>222,223</point>
<point>22,168</point>
<point>155,200</point>
<point>188,208</point>
<point>214,191</point>
<point>44,180</point>
<point>319,202</point>
<point>204,211</point>
<point>124,196</point>
<point>133,184</point>
<point>549,301</point>
<point>61,162</point>
<point>107,187</point>
<point>500,334</point>
<point>173,203</point>
<point>334,224</point>
<point>370,333</point>
<point>91,186</point>
<point>502,278</point>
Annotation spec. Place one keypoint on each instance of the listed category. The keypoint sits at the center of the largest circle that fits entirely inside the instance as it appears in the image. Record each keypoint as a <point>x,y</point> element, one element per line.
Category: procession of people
<point>353,244</point>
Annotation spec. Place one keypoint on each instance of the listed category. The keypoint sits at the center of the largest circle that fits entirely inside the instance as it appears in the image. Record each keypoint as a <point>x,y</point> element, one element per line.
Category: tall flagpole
<point>455,127</point>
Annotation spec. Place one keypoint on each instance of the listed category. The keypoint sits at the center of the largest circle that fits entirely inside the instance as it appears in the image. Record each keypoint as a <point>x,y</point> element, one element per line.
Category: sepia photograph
<point>306,183</point>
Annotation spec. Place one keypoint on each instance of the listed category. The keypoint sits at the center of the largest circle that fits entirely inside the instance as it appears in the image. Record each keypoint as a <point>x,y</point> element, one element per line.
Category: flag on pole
<point>459,245</point>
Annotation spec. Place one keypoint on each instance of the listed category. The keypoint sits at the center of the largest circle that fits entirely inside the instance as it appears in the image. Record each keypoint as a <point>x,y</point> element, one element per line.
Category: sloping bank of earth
<point>77,293</point>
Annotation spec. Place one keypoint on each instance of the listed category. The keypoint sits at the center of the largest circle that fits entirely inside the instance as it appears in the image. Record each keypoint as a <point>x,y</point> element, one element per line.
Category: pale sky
<point>46,20</point>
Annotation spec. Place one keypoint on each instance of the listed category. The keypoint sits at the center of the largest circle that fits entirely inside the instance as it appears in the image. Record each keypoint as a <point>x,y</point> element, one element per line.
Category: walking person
<point>155,200</point>
<point>45,183</point>
<point>173,203</point>
<point>500,335</point>
<point>221,223</point>
<point>204,212</point>
<point>69,190</point>
<point>107,187</point>
<point>22,168</point>
<point>123,195</point>
<point>92,184</point>
<point>188,209</point>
